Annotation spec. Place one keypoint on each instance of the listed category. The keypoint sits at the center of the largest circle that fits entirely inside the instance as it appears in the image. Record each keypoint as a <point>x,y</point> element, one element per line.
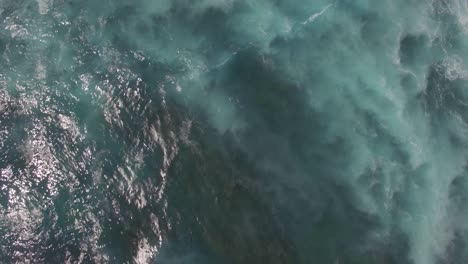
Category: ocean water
<point>234,131</point>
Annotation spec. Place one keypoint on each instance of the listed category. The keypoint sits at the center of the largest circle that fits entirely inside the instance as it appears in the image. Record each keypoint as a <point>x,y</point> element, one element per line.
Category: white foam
<point>40,71</point>
<point>145,252</point>
<point>455,68</point>
<point>461,11</point>
<point>44,6</point>
<point>316,15</point>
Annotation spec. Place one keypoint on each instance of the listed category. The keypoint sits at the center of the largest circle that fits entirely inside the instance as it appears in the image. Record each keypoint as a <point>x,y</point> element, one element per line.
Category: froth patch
<point>44,6</point>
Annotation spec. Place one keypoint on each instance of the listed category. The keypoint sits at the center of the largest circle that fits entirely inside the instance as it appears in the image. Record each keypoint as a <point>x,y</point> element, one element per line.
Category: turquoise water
<point>234,131</point>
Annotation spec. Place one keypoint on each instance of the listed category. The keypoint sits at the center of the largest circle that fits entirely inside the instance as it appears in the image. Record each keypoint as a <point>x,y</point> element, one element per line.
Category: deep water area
<point>234,131</point>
